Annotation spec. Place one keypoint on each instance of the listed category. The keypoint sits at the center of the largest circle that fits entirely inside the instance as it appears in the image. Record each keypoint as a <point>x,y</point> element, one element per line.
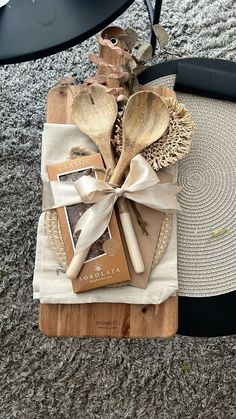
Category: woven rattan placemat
<point>207,222</point>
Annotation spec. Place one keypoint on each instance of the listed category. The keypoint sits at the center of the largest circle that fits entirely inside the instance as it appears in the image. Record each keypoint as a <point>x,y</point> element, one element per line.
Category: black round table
<point>31,29</point>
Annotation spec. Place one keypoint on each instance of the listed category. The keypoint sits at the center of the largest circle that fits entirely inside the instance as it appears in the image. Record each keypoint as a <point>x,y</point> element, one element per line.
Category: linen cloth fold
<point>50,284</point>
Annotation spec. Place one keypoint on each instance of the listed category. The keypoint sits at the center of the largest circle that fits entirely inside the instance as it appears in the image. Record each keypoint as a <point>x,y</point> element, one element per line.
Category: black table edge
<point>68,44</point>
<point>170,67</point>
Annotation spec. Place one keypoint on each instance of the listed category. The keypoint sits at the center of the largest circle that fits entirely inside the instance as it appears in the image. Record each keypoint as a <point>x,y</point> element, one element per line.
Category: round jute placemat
<point>56,242</point>
<point>55,237</point>
<point>207,221</point>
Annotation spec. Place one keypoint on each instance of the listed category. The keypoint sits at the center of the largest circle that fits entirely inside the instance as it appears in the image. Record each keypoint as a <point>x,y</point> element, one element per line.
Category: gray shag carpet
<point>61,378</point>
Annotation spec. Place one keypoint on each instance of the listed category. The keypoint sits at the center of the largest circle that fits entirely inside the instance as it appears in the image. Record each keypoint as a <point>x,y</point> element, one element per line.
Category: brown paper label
<point>106,262</point>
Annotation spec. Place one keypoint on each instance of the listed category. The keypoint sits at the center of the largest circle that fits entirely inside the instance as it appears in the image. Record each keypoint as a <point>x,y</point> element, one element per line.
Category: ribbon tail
<point>94,222</point>
<point>58,194</point>
<point>161,197</point>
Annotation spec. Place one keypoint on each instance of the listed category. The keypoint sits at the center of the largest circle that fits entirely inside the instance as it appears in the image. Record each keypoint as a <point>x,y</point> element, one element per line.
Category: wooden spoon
<point>95,112</point>
<point>145,120</point>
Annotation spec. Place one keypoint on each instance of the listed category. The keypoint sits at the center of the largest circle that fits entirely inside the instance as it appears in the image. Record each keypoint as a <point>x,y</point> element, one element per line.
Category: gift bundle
<point>107,233</point>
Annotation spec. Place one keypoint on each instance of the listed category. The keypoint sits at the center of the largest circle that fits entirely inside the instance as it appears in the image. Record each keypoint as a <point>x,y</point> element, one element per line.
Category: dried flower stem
<point>142,223</point>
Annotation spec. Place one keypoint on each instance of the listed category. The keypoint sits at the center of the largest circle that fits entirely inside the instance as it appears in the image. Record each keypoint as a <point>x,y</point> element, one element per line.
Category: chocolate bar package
<point>106,262</point>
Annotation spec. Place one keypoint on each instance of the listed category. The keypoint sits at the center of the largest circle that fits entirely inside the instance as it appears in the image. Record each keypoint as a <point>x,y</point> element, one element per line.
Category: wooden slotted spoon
<point>94,111</point>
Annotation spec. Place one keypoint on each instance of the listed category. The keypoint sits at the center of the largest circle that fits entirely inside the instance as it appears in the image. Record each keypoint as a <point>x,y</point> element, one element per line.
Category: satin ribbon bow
<point>142,185</point>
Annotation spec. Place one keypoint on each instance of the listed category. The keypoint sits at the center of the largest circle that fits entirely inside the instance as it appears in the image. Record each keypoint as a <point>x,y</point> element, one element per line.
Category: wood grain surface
<point>102,319</point>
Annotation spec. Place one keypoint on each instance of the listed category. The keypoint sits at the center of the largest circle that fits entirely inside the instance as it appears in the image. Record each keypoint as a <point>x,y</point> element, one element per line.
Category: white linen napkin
<point>50,284</point>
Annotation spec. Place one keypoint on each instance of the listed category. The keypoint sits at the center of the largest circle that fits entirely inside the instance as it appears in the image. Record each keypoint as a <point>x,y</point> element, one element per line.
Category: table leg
<point>154,15</point>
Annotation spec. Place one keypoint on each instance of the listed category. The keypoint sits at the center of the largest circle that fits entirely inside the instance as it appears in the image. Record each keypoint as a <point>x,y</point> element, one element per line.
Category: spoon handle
<point>126,222</point>
<point>125,219</point>
<point>76,264</point>
<point>120,169</point>
<point>130,236</point>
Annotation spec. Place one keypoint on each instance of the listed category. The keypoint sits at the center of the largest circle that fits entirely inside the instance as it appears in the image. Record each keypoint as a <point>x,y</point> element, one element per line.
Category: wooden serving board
<point>103,319</point>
